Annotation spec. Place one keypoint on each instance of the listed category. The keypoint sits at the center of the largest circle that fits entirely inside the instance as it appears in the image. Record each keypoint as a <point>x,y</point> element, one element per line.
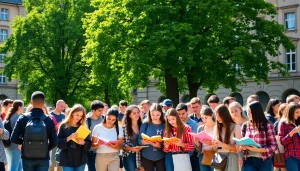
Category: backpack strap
<point>89,122</point>
<point>244,129</point>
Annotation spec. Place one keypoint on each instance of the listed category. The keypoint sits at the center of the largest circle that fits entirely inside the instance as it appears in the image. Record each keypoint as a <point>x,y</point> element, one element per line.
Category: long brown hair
<point>14,108</point>
<point>290,112</point>
<point>128,120</point>
<point>227,124</point>
<point>155,107</point>
<point>179,123</point>
<point>75,108</point>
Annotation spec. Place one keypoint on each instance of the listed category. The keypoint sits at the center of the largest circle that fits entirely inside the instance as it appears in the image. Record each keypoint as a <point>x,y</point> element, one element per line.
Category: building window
<point>4,14</point>
<point>3,34</point>
<point>291,60</point>
<point>290,21</point>
<point>2,79</point>
<point>2,56</point>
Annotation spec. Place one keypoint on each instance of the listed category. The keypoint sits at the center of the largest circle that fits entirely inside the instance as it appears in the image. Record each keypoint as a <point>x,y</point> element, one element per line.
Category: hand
<point>197,143</point>
<point>243,147</point>
<point>80,141</point>
<point>240,161</point>
<point>1,131</point>
<point>146,142</point>
<point>178,143</point>
<point>156,144</point>
<point>254,149</point>
<point>114,146</point>
<point>20,147</point>
<point>74,135</point>
<point>166,144</point>
<point>207,142</point>
<point>217,143</point>
<point>135,149</point>
<point>295,130</point>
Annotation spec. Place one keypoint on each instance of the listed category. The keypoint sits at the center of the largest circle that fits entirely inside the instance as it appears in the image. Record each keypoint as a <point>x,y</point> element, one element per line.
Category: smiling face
<point>155,116</point>
<point>135,114</point>
<point>172,121</point>
<point>296,114</point>
<point>77,116</point>
<point>110,120</point>
<point>206,119</point>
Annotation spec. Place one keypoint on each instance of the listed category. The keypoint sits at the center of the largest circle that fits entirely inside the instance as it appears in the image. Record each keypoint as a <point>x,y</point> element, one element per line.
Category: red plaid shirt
<point>266,141</point>
<point>187,139</point>
<point>291,144</point>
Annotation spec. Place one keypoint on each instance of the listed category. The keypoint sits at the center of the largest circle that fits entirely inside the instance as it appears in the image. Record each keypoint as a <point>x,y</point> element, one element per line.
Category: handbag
<point>182,162</point>
<point>279,155</point>
<point>219,161</point>
<point>207,157</point>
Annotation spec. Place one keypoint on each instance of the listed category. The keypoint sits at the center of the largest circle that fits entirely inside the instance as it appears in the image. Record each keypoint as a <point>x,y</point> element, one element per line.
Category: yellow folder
<point>82,133</point>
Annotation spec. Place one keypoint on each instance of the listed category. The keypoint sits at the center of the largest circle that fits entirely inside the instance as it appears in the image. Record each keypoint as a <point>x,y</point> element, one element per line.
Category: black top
<point>72,154</point>
<point>18,131</point>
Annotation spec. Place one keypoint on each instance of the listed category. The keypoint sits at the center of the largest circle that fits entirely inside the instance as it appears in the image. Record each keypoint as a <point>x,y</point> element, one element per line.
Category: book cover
<point>201,136</point>
<point>156,138</point>
<point>246,141</point>
<point>82,133</point>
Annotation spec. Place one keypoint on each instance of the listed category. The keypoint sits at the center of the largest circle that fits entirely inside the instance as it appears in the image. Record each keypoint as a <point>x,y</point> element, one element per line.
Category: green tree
<point>186,44</point>
<point>46,48</point>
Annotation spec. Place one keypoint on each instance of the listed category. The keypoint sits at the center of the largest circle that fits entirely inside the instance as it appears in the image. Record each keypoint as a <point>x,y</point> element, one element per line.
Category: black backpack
<point>7,126</point>
<point>35,137</point>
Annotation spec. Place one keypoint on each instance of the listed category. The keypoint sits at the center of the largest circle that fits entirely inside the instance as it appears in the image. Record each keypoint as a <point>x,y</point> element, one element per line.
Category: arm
<point>167,146</point>
<point>285,134</point>
<point>18,130</point>
<point>142,130</point>
<point>188,140</point>
<point>53,141</point>
<point>87,143</point>
<point>63,138</point>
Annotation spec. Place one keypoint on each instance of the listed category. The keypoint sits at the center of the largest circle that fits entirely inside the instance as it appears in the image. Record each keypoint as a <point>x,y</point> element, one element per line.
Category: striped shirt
<point>186,139</point>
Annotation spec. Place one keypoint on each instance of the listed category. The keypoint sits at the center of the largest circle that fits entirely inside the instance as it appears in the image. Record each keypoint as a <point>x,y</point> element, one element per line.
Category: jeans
<point>91,160</point>
<point>79,168</point>
<point>292,164</point>
<point>257,164</point>
<point>2,167</point>
<point>194,161</point>
<point>35,165</point>
<point>130,162</point>
<point>204,167</point>
<point>14,159</point>
<point>169,162</point>
<point>150,165</point>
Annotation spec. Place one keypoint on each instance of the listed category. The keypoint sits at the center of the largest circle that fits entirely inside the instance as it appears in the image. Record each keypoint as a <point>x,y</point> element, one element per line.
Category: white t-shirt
<point>106,134</point>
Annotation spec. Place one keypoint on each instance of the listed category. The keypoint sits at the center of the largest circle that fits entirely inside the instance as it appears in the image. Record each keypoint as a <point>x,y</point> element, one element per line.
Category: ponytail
<point>14,109</point>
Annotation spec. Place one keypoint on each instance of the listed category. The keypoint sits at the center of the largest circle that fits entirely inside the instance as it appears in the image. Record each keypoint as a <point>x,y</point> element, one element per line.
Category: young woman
<point>280,116</point>
<point>262,132</point>
<point>237,114</point>
<point>208,127</point>
<point>224,131</point>
<point>4,135</point>
<point>289,137</point>
<point>153,156</point>
<point>107,138</point>
<point>131,130</point>
<point>13,152</point>
<point>176,128</point>
<point>272,110</point>
<point>73,156</point>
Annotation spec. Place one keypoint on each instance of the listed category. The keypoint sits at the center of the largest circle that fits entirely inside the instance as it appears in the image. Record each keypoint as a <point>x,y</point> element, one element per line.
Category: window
<point>291,60</point>
<point>2,79</point>
<point>2,56</point>
<point>4,14</point>
<point>3,34</point>
<point>290,21</point>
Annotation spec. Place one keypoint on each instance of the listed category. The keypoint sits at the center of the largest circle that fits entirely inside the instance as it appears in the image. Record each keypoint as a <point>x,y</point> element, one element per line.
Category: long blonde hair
<point>237,105</point>
<point>75,108</point>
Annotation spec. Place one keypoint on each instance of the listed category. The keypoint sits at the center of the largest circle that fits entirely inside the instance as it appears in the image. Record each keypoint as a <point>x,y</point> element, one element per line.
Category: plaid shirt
<point>267,141</point>
<point>291,144</point>
<point>127,142</point>
<point>187,139</point>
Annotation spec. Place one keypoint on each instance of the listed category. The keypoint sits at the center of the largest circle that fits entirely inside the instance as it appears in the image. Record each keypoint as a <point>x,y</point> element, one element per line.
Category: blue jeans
<point>79,168</point>
<point>292,164</point>
<point>257,164</point>
<point>91,160</point>
<point>204,167</point>
<point>169,162</point>
<point>35,165</point>
<point>14,159</point>
<point>194,161</point>
<point>130,162</point>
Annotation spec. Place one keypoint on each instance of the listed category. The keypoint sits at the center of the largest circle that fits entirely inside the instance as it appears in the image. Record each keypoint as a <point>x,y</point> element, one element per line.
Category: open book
<point>201,136</point>
<point>82,133</point>
<point>156,138</point>
<point>246,141</point>
<point>106,142</point>
<point>170,140</point>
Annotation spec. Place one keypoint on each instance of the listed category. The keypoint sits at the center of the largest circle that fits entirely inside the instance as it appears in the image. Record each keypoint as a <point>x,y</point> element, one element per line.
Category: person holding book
<point>289,137</point>
<point>204,149</point>
<point>107,139</point>
<point>224,131</point>
<point>73,155</point>
<point>259,129</point>
<point>131,129</point>
<point>183,144</point>
<point>153,156</point>
<point>237,114</point>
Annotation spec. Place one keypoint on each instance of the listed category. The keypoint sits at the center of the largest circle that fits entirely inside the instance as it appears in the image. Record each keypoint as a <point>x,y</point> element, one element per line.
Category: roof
<point>18,2</point>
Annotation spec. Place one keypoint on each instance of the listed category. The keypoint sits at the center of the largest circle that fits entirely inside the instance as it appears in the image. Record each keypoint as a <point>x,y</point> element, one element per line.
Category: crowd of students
<point>118,134</point>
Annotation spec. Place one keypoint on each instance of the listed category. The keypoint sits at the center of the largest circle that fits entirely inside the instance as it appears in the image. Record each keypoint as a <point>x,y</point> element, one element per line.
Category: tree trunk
<point>172,87</point>
<point>106,97</point>
<point>193,86</point>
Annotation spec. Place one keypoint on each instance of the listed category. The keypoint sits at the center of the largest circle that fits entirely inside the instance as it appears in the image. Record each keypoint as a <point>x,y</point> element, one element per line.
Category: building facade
<point>8,10</point>
<point>279,87</point>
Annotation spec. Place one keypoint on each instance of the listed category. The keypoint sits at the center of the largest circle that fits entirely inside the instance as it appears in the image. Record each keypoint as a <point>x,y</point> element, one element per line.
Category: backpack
<point>35,137</point>
<point>7,126</point>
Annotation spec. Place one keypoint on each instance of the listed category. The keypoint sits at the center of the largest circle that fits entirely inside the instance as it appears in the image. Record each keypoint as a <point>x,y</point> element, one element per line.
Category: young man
<point>59,116</point>
<point>292,98</point>
<point>182,112</point>
<point>167,104</point>
<point>213,101</point>
<point>95,118</point>
<point>122,106</point>
<point>6,104</point>
<point>146,104</point>
<point>196,105</point>
<point>30,160</point>
<point>227,100</point>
